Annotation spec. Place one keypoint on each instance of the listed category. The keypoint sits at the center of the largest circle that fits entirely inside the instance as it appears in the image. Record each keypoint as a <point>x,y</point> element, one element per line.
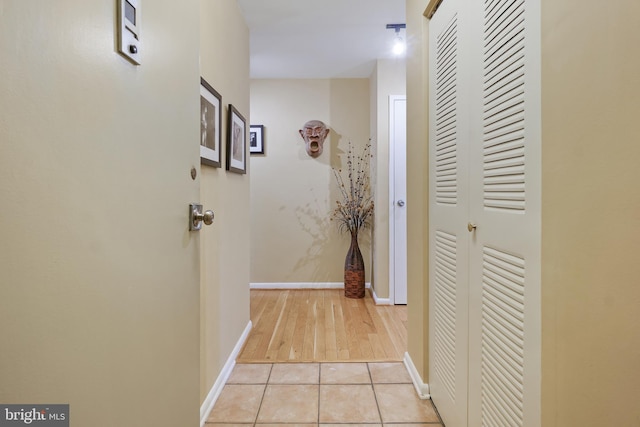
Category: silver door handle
<point>197,216</point>
<point>401,203</point>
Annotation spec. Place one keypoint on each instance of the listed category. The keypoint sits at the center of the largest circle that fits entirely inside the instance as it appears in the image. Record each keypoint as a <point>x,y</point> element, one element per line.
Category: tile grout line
<point>264,392</point>
<point>375,395</point>
<point>319,390</point>
<point>441,423</point>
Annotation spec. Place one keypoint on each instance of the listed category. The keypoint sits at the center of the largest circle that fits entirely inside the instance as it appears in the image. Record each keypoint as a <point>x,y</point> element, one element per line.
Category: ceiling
<point>320,38</point>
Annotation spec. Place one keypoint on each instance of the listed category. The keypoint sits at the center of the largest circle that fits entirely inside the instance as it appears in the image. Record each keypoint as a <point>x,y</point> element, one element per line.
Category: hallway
<point>321,394</point>
<point>111,304</point>
<point>353,371</point>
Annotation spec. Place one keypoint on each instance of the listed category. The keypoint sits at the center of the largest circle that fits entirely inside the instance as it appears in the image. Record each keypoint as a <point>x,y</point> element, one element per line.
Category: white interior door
<point>485,212</point>
<point>448,213</point>
<point>398,187</point>
<point>504,345</point>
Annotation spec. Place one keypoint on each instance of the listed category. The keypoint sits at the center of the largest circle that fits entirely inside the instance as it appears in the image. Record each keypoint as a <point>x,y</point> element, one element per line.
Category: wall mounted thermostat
<point>129,29</point>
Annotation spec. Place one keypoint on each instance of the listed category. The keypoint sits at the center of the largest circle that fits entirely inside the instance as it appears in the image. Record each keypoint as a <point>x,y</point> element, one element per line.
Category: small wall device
<point>129,29</point>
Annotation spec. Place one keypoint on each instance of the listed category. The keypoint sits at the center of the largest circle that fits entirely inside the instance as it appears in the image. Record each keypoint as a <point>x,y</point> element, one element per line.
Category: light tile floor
<point>321,394</point>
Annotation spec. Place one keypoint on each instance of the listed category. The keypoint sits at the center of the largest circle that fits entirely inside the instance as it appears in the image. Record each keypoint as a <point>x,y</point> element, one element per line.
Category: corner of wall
<point>417,184</point>
<point>421,387</point>
<point>216,389</point>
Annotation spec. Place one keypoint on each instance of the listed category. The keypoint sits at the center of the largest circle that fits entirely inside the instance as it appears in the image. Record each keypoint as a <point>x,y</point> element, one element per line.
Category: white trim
<point>392,201</point>
<point>215,391</point>
<point>319,285</point>
<point>421,388</point>
<point>301,285</point>
<point>379,301</point>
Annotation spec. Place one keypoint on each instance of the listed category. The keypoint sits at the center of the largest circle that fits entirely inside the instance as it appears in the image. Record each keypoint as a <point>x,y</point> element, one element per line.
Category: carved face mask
<point>314,132</point>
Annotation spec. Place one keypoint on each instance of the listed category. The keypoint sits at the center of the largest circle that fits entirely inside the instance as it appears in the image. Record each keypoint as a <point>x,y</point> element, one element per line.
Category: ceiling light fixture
<point>399,45</point>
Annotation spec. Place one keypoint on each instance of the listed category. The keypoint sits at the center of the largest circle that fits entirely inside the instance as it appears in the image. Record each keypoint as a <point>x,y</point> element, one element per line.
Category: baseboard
<point>318,285</point>
<point>377,300</point>
<point>215,391</point>
<point>301,285</point>
<point>421,388</point>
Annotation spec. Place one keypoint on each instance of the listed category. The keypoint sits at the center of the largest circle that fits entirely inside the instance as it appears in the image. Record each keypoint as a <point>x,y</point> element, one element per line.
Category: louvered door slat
<point>505,90</point>
<point>446,115</point>
<point>502,349</point>
<point>498,20</point>
<point>447,126</point>
<point>512,139</point>
<point>504,98</point>
<point>509,72</point>
<point>510,368</point>
<point>445,309</point>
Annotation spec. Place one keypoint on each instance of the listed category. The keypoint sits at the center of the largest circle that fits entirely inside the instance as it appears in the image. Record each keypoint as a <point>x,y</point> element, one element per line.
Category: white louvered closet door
<point>504,345</point>
<point>485,284</point>
<point>448,213</point>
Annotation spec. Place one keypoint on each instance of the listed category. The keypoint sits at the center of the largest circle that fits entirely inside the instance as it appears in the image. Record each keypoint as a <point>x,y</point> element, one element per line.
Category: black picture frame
<point>236,142</point>
<point>210,125</point>
<point>256,139</point>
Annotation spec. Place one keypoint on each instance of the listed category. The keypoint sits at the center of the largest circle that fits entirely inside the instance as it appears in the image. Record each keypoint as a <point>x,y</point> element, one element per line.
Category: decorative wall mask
<point>314,132</point>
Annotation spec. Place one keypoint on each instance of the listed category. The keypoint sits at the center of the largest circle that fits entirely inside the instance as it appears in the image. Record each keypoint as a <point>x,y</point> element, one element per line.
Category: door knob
<point>471,227</point>
<point>401,203</point>
<point>206,217</point>
<point>197,216</point>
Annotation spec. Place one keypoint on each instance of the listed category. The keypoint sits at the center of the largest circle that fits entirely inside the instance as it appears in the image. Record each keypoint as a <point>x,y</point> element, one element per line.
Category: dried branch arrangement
<point>355,209</point>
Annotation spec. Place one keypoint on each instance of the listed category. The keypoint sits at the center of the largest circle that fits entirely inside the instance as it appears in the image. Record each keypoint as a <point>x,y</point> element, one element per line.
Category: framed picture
<point>210,125</point>
<point>256,139</point>
<point>236,142</point>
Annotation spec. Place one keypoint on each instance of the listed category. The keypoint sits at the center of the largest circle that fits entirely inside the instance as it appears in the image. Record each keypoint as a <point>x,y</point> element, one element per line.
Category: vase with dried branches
<point>353,213</point>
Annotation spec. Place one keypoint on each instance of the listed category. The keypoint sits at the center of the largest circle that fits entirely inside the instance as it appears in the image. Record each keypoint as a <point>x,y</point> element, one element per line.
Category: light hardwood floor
<point>323,326</point>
